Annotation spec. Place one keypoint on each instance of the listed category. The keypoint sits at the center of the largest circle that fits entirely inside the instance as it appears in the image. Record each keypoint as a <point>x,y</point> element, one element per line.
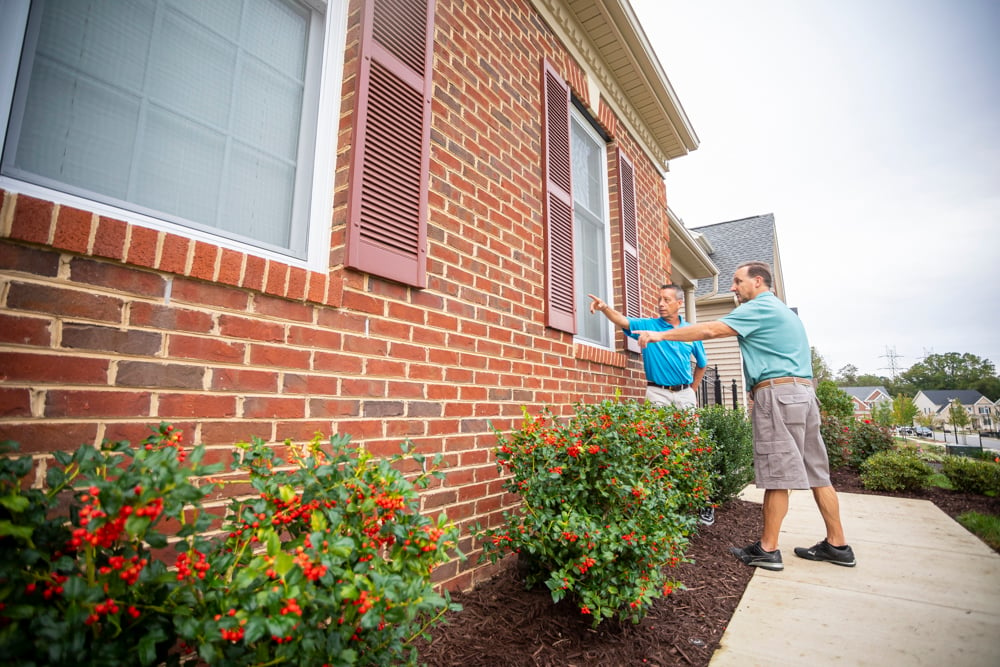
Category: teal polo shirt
<point>667,362</point>
<point>772,340</point>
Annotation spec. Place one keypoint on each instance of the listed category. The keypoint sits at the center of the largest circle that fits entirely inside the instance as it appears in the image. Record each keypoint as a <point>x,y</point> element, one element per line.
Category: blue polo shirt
<point>772,340</point>
<point>667,362</point>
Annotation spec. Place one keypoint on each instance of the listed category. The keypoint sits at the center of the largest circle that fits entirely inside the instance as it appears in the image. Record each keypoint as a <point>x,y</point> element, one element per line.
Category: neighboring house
<point>937,402</point>
<point>374,218</point>
<point>730,244</point>
<point>866,398</point>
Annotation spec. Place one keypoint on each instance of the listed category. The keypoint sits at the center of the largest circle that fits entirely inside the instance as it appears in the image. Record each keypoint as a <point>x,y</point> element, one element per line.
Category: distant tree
<point>882,413</point>
<point>904,410</point>
<point>957,414</point>
<point>926,420</point>
<point>834,401</point>
<point>948,371</point>
<point>869,380</point>
<point>821,372</point>
<point>988,387</point>
<point>847,376</point>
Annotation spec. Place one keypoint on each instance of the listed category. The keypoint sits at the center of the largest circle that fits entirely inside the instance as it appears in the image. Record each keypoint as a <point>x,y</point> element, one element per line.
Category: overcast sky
<point>871,130</point>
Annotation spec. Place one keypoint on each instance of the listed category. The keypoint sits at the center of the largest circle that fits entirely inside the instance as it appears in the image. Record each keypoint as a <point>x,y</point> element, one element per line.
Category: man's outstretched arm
<point>598,305</point>
<point>688,334</point>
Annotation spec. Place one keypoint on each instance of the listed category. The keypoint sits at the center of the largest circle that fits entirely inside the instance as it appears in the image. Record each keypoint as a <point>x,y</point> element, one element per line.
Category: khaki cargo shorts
<point>788,450</point>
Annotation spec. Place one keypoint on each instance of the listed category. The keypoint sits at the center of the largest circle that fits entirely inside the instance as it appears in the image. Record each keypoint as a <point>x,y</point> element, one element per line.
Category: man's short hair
<point>678,290</point>
<point>758,270</point>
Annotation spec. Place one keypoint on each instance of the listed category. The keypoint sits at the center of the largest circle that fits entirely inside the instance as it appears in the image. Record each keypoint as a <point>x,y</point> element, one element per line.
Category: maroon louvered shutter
<point>387,206</point>
<point>557,168</point>
<point>630,243</point>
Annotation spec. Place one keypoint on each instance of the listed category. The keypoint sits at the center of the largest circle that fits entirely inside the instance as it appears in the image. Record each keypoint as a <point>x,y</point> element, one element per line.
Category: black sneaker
<point>754,555</point>
<point>825,551</point>
<point>706,516</point>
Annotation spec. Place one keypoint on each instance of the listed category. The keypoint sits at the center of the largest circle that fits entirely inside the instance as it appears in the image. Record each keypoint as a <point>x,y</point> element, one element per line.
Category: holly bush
<point>608,500</point>
<point>79,581</point>
<point>836,434</point>
<point>731,460</point>
<point>325,560</point>
<point>866,438</point>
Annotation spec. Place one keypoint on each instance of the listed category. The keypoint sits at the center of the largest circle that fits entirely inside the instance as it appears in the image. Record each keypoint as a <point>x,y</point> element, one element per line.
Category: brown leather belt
<point>675,387</point>
<point>784,380</point>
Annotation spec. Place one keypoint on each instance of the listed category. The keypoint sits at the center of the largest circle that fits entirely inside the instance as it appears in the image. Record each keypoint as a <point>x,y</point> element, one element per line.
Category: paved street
<point>966,440</point>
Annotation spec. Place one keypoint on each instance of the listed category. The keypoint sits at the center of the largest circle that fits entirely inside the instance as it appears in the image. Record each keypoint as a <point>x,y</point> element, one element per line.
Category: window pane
<point>179,166</point>
<point>250,208</point>
<point>192,70</point>
<point>78,131</point>
<point>590,229</point>
<point>184,110</point>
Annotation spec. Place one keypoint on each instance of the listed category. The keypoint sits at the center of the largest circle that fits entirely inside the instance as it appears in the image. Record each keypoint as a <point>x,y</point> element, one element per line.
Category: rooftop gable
<point>865,393</point>
<point>946,396</point>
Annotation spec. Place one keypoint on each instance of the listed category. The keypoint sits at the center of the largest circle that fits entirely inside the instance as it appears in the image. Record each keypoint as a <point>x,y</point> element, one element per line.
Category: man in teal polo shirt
<point>789,452</point>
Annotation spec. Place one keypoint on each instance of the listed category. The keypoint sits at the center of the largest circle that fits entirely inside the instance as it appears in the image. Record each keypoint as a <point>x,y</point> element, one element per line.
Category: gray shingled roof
<point>862,393</point>
<point>735,242</point>
<point>945,396</point>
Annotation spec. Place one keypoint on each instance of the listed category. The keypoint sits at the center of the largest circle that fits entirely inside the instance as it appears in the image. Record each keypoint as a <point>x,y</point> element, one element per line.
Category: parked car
<point>923,432</point>
<point>904,430</point>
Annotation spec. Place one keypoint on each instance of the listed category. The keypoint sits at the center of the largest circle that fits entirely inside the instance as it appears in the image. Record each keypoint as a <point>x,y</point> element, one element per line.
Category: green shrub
<point>609,498</point>
<point>731,460</point>
<point>836,437</point>
<point>972,475</point>
<point>866,438</point>
<point>329,560</point>
<point>895,471</point>
<point>929,453</point>
<point>834,401</point>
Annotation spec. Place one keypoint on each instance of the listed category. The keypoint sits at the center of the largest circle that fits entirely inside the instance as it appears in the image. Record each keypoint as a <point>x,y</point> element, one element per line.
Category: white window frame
<point>578,119</point>
<point>323,90</point>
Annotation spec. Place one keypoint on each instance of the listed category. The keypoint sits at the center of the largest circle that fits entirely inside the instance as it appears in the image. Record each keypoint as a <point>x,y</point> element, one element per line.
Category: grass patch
<point>984,526</point>
<point>941,481</point>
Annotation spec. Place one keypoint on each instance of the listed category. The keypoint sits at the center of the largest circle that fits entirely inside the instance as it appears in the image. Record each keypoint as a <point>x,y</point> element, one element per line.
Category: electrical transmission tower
<point>893,367</point>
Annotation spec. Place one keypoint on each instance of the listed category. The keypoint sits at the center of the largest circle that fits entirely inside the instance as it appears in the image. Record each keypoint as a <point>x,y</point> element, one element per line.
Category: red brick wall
<point>107,327</point>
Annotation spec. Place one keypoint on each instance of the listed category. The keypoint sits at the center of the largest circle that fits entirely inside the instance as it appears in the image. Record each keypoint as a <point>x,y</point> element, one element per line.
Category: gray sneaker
<point>706,516</point>
<point>755,556</point>
<point>824,551</point>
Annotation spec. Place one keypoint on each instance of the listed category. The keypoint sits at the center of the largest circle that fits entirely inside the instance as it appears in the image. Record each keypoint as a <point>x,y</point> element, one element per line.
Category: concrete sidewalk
<point>925,591</point>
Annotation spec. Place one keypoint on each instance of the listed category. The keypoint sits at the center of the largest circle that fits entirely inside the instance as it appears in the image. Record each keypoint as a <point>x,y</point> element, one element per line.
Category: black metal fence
<point>712,392</point>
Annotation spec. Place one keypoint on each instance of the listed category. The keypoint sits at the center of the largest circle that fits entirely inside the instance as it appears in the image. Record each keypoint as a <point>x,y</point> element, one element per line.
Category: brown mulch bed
<point>504,625</point>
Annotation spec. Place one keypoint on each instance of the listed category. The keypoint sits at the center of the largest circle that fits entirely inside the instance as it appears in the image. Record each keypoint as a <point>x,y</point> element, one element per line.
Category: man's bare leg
<point>775,509</point>
<point>829,506</point>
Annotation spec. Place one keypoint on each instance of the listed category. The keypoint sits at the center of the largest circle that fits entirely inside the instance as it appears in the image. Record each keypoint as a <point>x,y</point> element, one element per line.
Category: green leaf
<point>273,543</point>
<point>283,562</point>
<point>15,502</point>
<point>318,522</point>
<point>9,529</point>
<point>286,493</point>
<point>136,525</point>
<point>156,540</point>
<point>147,645</point>
<point>254,629</point>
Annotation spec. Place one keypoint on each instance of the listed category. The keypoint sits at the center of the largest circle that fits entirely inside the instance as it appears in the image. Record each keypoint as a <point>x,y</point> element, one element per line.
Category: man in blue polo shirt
<point>669,379</point>
<point>789,452</point>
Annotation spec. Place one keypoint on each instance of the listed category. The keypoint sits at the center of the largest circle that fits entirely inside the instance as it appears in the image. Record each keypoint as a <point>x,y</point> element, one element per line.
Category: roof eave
<point>606,38</point>
<point>686,254</point>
